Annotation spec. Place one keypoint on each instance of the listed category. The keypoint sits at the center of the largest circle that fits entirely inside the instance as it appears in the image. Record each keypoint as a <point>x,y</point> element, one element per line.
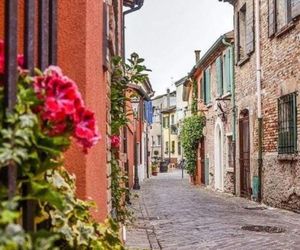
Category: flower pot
<point>154,173</point>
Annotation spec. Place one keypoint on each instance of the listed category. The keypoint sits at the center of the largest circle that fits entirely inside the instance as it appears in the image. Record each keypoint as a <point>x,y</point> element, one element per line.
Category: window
<point>159,140</point>
<point>287,124</point>
<point>172,120</point>
<point>179,148</point>
<point>153,142</point>
<point>230,151</point>
<point>281,13</point>
<point>173,147</point>
<point>167,147</point>
<point>166,122</point>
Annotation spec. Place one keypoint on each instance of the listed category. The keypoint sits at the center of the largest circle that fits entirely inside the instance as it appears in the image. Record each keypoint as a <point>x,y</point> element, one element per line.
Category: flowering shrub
<point>48,113</point>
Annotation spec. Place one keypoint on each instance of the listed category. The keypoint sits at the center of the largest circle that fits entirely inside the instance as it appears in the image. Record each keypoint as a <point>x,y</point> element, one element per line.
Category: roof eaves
<point>228,1</point>
<point>140,90</point>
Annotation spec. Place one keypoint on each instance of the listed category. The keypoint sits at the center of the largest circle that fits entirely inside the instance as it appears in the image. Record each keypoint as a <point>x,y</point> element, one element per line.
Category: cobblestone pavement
<point>172,214</point>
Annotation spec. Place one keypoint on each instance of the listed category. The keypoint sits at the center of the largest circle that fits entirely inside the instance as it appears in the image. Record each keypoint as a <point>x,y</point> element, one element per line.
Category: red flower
<point>63,109</point>
<point>20,58</point>
<point>85,129</point>
<point>115,141</point>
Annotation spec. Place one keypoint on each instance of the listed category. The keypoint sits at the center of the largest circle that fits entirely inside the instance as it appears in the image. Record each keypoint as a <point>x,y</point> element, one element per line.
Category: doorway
<point>245,154</point>
<point>219,170</point>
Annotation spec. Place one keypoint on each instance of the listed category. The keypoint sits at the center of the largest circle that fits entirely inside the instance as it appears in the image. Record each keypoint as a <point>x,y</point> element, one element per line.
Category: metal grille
<point>287,124</point>
<point>46,48</point>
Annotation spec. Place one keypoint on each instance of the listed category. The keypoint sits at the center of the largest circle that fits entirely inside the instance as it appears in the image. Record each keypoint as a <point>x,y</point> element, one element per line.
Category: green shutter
<point>207,86</point>
<point>219,76</point>
<point>230,53</point>
<point>203,88</point>
<point>228,69</point>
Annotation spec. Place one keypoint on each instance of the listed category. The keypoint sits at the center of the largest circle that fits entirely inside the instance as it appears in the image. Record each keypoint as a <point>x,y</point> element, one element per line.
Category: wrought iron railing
<point>44,42</point>
<point>287,124</point>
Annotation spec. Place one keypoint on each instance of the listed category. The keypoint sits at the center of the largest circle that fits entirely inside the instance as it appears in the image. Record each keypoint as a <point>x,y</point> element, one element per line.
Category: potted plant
<point>154,169</point>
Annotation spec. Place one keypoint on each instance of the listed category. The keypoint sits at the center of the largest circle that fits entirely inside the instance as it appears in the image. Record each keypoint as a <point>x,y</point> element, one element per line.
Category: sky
<point>166,32</point>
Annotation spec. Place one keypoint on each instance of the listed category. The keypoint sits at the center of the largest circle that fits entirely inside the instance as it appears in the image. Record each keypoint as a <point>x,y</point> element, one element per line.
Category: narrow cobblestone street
<point>172,214</point>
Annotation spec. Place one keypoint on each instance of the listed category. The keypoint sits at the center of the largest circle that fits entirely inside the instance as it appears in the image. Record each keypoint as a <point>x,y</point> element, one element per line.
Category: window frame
<point>179,148</point>
<point>287,132</point>
<point>173,147</point>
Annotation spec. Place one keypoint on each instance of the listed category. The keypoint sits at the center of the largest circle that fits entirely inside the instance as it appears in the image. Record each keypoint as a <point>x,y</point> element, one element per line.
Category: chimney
<point>168,98</point>
<point>197,55</point>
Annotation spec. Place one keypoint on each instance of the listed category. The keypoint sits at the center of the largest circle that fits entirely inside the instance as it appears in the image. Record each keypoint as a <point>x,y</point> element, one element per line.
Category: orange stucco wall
<point>80,29</point>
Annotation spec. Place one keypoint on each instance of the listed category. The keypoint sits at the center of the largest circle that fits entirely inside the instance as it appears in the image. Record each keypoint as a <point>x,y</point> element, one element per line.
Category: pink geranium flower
<point>20,58</point>
<point>115,141</point>
<point>63,109</point>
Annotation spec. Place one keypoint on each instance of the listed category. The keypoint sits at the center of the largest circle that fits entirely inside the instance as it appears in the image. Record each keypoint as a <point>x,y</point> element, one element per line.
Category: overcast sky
<point>166,33</point>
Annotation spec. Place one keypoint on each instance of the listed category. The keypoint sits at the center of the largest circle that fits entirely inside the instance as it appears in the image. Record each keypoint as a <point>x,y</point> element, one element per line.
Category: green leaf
<point>43,191</point>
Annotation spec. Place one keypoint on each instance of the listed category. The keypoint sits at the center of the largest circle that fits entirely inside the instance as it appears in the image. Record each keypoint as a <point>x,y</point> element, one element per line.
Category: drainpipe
<point>169,123</point>
<point>259,102</point>
<point>139,4</point>
<point>233,113</point>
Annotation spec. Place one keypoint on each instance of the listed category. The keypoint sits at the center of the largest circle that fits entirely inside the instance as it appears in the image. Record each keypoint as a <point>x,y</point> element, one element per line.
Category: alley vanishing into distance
<point>172,214</point>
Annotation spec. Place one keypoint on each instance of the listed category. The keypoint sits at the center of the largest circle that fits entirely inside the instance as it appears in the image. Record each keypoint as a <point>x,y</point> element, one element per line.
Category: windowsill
<point>242,61</point>
<point>287,157</point>
<point>229,170</point>
<point>209,105</point>
<point>228,94</point>
<point>285,29</point>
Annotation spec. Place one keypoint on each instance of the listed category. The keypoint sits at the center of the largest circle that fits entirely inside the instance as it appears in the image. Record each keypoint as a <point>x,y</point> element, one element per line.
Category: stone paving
<point>172,214</point>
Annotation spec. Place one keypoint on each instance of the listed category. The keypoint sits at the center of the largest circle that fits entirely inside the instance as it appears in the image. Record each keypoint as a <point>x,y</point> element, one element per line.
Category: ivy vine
<point>194,105</point>
<point>191,133</point>
<point>133,72</point>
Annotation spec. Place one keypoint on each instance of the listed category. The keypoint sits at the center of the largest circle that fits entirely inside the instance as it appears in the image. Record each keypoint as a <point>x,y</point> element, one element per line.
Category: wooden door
<point>245,154</point>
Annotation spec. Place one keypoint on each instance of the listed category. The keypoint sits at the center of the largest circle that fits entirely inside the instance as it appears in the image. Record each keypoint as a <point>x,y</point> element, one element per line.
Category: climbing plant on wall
<point>191,133</point>
<point>133,72</point>
<point>194,97</point>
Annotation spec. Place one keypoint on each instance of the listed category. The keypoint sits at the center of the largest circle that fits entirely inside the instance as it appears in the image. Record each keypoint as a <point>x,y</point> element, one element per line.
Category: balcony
<point>174,130</point>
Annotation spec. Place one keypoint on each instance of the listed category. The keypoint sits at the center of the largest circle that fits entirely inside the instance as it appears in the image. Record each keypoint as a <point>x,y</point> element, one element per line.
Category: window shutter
<point>237,36</point>
<point>203,88</point>
<point>207,86</point>
<point>219,76</point>
<point>250,27</point>
<point>229,69</point>
<point>272,17</point>
<point>295,4</point>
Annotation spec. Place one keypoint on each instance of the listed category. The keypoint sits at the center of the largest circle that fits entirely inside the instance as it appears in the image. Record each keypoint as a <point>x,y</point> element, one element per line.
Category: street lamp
<point>135,101</point>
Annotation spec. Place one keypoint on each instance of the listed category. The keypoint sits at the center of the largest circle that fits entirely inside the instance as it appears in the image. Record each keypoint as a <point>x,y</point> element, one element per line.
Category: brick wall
<point>213,119</point>
<point>281,75</point>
